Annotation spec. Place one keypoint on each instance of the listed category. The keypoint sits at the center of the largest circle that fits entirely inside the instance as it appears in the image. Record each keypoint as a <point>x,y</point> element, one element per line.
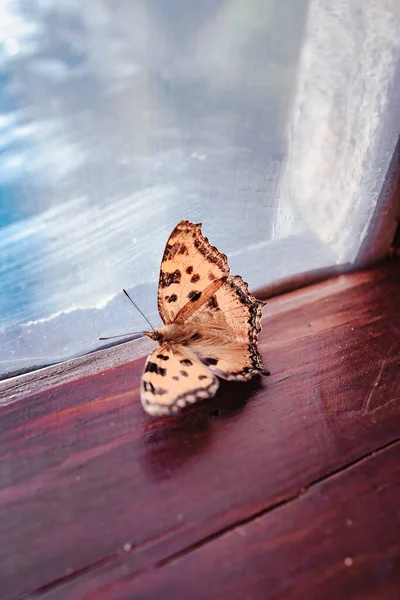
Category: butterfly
<point>210,326</point>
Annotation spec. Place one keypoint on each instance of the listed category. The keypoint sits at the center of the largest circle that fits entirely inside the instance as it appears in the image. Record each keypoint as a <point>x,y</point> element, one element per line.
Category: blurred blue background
<point>272,122</point>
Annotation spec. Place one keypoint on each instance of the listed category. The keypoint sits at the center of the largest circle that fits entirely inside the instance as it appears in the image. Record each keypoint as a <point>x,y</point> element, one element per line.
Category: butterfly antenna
<point>137,308</point>
<point>112,337</point>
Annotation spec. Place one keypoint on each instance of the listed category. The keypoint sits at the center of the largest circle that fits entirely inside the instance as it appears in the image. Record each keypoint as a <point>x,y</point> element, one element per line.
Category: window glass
<point>272,122</point>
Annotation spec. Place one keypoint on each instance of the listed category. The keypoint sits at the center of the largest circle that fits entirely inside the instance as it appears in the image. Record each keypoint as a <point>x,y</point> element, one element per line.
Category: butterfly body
<point>211,326</point>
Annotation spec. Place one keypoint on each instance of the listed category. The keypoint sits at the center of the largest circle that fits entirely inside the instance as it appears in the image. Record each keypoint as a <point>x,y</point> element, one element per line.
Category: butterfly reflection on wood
<point>211,326</point>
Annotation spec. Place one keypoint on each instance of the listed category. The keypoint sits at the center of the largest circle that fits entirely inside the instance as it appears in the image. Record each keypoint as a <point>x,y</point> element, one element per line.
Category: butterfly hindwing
<point>173,378</point>
<point>190,265</point>
<point>230,322</point>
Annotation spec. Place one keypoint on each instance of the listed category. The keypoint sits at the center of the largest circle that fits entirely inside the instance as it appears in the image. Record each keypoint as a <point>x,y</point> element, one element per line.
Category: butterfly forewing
<point>189,266</point>
<point>173,378</point>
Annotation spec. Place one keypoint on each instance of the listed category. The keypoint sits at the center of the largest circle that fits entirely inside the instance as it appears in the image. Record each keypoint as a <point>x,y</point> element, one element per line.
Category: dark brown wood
<point>326,543</point>
<point>96,496</point>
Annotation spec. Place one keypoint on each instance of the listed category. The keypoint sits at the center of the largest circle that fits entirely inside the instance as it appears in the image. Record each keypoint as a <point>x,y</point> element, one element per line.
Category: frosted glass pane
<point>271,122</point>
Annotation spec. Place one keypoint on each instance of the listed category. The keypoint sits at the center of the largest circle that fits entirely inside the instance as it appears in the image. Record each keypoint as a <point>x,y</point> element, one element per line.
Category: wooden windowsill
<point>286,487</point>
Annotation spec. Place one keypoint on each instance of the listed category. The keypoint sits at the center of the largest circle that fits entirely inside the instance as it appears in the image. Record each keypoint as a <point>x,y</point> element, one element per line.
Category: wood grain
<point>326,543</point>
<point>93,492</point>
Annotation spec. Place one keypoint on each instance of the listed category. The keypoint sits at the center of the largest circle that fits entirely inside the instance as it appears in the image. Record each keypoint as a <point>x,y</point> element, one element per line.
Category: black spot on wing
<point>195,278</point>
<point>166,279</point>
<point>189,270</point>
<point>171,298</point>
<point>210,361</point>
<point>183,373</point>
<point>175,378</point>
<point>162,357</point>
<point>194,295</point>
<point>186,362</point>
<point>201,377</point>
<point>212,303</point>
<point>154,368</point>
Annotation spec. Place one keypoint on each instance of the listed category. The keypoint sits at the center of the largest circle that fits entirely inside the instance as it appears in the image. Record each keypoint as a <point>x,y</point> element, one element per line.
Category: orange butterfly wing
<point>173,378</point>
<point>230,322</point>
<point>214,325</point>
<point>190,264</point>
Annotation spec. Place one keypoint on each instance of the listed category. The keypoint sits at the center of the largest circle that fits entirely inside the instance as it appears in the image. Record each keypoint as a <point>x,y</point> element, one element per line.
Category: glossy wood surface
<point>286,487</point>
